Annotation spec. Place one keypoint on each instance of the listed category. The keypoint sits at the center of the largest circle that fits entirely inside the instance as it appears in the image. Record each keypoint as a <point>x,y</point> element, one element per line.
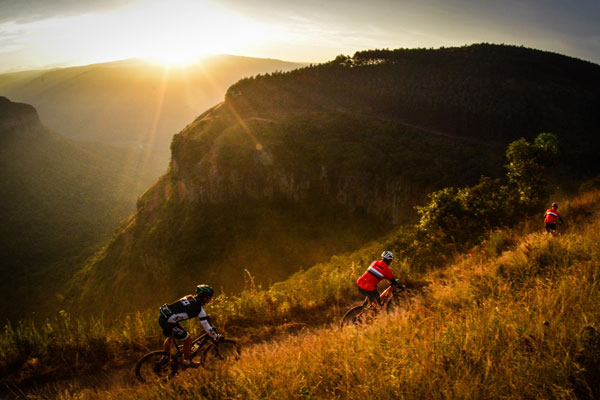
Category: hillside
<point>484,93</point>
<point>294,167</point>
<point>130,103</point>
<point>516,317</point>
<point>59,200</point>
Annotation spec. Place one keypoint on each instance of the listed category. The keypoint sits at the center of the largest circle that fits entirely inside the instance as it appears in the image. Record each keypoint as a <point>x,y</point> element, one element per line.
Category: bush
<point>455,219</point>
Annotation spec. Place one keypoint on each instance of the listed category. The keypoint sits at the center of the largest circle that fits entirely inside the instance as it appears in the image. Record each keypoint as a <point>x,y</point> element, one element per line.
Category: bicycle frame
<point>366,310</point>
<point>197,344</point>
<point>387,295</point>
<point>164,365</point>
<point>384,297</point>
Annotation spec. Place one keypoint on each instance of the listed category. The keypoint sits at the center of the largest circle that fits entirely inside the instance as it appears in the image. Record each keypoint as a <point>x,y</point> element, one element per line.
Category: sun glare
<point>170,32</point>
<point>182,31</point>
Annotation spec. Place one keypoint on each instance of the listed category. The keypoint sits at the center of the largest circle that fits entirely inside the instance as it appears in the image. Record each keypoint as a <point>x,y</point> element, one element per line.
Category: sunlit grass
<point>517,317</point>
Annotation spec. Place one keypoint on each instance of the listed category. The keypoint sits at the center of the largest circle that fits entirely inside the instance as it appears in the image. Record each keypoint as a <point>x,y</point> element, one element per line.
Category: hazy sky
<point>43,33</point>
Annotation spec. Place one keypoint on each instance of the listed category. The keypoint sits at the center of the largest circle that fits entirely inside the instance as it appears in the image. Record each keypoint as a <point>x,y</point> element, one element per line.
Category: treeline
<point>488,92</point>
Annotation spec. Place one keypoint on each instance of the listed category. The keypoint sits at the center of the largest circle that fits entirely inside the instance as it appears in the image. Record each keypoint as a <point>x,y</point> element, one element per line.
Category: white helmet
<point>387,255</point>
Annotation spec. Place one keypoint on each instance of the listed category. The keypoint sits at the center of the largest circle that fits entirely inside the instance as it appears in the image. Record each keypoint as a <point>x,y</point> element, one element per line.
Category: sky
<point>57,33</point>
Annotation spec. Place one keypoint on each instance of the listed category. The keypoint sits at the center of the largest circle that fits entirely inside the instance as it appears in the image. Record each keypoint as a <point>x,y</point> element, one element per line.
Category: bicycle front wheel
<point>156,366</point>
<point>352,316</point>
<point>396,303</point>
<point>227,350</point>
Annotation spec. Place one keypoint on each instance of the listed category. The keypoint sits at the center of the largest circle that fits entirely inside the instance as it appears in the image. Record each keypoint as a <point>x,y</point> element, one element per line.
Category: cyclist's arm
<point>212,332</point>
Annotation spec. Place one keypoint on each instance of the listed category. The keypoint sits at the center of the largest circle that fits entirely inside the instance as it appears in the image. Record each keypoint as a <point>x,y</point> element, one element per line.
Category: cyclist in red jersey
<point>552,216</point>
<point>378,270</point>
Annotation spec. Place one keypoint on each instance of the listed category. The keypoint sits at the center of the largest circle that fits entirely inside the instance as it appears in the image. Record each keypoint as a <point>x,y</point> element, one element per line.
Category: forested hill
<point>294,167</point>
<point>483,92</point>
<point>59,200</point>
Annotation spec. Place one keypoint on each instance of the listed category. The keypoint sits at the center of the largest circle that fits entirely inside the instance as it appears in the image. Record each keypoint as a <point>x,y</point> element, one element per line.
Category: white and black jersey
<point>183,309</point>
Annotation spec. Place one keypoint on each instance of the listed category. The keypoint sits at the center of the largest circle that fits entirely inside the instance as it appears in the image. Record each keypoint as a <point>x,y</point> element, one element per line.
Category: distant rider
<point>378,270</point>
<point>187,307</point>
<point>552,216</point>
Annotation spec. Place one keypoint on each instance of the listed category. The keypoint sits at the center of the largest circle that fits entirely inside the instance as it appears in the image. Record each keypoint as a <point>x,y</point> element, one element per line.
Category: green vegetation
<point>456,219</point>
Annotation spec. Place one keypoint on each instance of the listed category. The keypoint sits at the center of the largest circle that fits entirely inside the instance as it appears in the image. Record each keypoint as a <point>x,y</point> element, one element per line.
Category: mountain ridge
<point>130,103</point>
<point>302,163</point>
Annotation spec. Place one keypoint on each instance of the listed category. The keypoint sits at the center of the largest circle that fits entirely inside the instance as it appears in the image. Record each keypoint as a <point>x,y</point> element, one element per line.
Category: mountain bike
<point>391,298</point>
<point>162,365</point>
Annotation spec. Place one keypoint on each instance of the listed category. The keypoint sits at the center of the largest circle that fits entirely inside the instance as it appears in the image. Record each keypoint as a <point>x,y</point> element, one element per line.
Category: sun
<point>174,32</point>
<point>176,37</point>
<point>182,31</point>
<point>174,54</point>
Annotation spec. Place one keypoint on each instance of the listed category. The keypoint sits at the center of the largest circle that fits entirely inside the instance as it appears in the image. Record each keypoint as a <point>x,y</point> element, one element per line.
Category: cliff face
<point>293,168</point>
<point>221,159</point>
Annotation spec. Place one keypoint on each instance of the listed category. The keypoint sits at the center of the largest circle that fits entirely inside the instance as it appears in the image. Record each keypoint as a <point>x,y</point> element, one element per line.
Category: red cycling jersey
<point>377,271</point>
<point>551,216</point>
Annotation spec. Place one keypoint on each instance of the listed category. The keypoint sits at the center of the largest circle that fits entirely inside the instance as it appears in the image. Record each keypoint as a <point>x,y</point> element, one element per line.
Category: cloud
<point>25,11</point>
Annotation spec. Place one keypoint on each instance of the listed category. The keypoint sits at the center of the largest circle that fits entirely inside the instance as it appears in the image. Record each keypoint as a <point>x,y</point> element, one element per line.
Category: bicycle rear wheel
<point>227,350</point>
<point>353,316</point>
<point>156,366</point>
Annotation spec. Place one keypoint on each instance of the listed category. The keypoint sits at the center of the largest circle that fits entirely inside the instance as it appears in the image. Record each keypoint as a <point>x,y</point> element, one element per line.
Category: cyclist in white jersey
<point>187,307</point>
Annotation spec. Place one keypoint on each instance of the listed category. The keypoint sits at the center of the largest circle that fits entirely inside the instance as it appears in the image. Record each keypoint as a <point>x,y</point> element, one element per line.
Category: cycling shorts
<point>550,226</point>
<point>172,329</point>
<point>372,295</point>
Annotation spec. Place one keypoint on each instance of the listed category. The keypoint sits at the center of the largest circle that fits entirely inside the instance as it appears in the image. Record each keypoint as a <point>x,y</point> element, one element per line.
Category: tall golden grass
<point>517,317</point>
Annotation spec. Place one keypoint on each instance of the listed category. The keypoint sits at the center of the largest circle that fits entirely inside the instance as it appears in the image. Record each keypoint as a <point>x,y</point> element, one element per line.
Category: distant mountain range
<point>131,103</point>
<point>60,199</point>
<point>294,167</point>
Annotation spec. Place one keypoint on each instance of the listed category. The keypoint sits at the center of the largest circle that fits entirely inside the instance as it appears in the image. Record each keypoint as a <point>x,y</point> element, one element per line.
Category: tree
<point>527,163</point>
<point>458,218</point>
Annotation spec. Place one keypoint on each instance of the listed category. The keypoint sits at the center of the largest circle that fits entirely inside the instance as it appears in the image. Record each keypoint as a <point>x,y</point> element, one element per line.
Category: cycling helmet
<point>387,256</point>
<point>204,291</point>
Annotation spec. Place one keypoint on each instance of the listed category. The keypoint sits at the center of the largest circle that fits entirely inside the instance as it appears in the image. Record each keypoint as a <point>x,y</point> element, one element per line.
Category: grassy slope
<point>516,318</point>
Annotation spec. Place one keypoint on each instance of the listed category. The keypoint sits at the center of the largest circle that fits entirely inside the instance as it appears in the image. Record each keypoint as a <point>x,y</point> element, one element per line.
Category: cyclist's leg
<point>181,334</point>
<point>167,329</point>
<point>187,348</point>
<point>173,330</point>
<point>372,295</point>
